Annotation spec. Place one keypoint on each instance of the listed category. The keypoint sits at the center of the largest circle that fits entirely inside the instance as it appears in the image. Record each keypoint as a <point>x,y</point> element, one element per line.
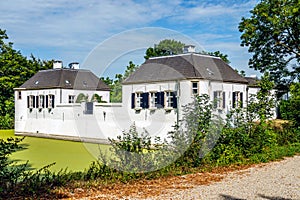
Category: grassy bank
<point>66,154</point>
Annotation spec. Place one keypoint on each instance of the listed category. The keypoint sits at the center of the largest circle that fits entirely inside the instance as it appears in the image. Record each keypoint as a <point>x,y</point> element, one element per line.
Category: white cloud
<point>204,11</point>
<point>70,29</point>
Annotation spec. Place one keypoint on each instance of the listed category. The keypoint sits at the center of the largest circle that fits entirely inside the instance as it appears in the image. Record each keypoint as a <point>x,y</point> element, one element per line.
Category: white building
<point>152,98</point>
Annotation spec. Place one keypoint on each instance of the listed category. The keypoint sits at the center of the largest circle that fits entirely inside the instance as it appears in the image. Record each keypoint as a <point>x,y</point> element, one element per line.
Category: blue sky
<point>73,30</point>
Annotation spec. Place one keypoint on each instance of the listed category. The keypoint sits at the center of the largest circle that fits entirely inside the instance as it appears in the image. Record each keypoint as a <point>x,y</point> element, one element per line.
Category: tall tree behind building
<point>15,69</point>
<point>272,35</point>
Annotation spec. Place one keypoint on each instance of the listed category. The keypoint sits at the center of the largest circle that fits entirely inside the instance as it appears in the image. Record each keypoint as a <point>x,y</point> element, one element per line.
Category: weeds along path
<point>275,180</point>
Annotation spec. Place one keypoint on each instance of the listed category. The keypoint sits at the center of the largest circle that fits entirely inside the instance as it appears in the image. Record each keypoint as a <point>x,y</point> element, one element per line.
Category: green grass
<point>75,156</point>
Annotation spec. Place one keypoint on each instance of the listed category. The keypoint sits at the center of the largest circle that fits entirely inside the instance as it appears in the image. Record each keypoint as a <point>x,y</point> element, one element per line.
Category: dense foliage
<point>290,109</point>
<point>116,85</point>
<point>164,48</point>
<point>15,69</point>
<point>173,47</point>
<point>272,33</point>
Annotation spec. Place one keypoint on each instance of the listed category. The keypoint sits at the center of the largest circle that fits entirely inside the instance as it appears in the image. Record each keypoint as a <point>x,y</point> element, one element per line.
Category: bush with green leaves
<point>197,133</point>
<point>133,152</point>
<point>290,109</point>
<point>6,121</point>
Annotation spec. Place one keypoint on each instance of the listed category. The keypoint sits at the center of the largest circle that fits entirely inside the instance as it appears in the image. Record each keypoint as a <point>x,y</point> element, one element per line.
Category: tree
<point>15,69</point>
<point>172,47</point>
<point>263,103</point>
<point>164,48</point>
<point>116,85</point>
<point>290,109</point>
<point>272,34</point>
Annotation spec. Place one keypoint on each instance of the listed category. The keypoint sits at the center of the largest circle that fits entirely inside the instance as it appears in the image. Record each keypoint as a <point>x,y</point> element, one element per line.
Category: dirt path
<point>273,181</point>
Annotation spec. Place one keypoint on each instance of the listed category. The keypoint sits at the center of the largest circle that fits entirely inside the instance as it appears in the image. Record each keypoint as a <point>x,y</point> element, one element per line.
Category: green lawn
<point>74,156</point>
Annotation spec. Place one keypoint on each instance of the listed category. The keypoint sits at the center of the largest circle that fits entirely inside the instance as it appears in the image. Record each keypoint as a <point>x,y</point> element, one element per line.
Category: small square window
<point>19,95</point>
<point>195,87</point>
<point>71,99</point>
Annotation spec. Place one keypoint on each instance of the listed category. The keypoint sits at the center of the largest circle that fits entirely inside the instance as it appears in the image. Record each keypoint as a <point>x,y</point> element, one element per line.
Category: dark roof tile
<point>185,66</point>
<point>65,78</point>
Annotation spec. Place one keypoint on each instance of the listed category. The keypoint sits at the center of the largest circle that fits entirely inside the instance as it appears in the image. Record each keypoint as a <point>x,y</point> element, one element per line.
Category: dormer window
<point>84,83</point>
<point>36,82</point>
<point>210,72</point>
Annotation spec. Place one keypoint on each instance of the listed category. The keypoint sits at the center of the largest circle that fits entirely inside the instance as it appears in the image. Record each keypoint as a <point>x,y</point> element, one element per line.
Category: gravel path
<point>274,181</point>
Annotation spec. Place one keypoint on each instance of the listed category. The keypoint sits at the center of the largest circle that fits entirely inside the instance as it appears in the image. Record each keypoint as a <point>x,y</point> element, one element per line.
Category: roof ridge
<point>184,54</point>
<point>193,63</point>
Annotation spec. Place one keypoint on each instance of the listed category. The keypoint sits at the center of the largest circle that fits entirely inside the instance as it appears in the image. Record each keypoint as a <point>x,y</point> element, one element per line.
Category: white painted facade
<point>153,106</point>
<point>69,121</point>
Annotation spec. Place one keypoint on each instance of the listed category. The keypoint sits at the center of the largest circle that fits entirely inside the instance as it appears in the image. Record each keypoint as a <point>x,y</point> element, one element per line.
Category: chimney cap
<point>189,48</point>
<point>57,64</point>
<point>74,65</point>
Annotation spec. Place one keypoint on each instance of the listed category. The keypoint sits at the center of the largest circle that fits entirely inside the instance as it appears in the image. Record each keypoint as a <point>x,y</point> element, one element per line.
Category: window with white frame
<point>41,101</point>
<point>50,101</point>
<point>138,100</point>
<point>169,99</point>
<point>71,99</point>
<point>153,101</point>
<point>195,87</point>
<point>237,99</point>
<point>30,103</point>
<point>219,99</point>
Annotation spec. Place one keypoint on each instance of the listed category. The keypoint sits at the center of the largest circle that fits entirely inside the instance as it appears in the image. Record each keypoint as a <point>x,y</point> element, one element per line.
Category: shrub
<point>196,134</point>
<point>6,122</point>
<point>133,152</point>
<point>290,109</point>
